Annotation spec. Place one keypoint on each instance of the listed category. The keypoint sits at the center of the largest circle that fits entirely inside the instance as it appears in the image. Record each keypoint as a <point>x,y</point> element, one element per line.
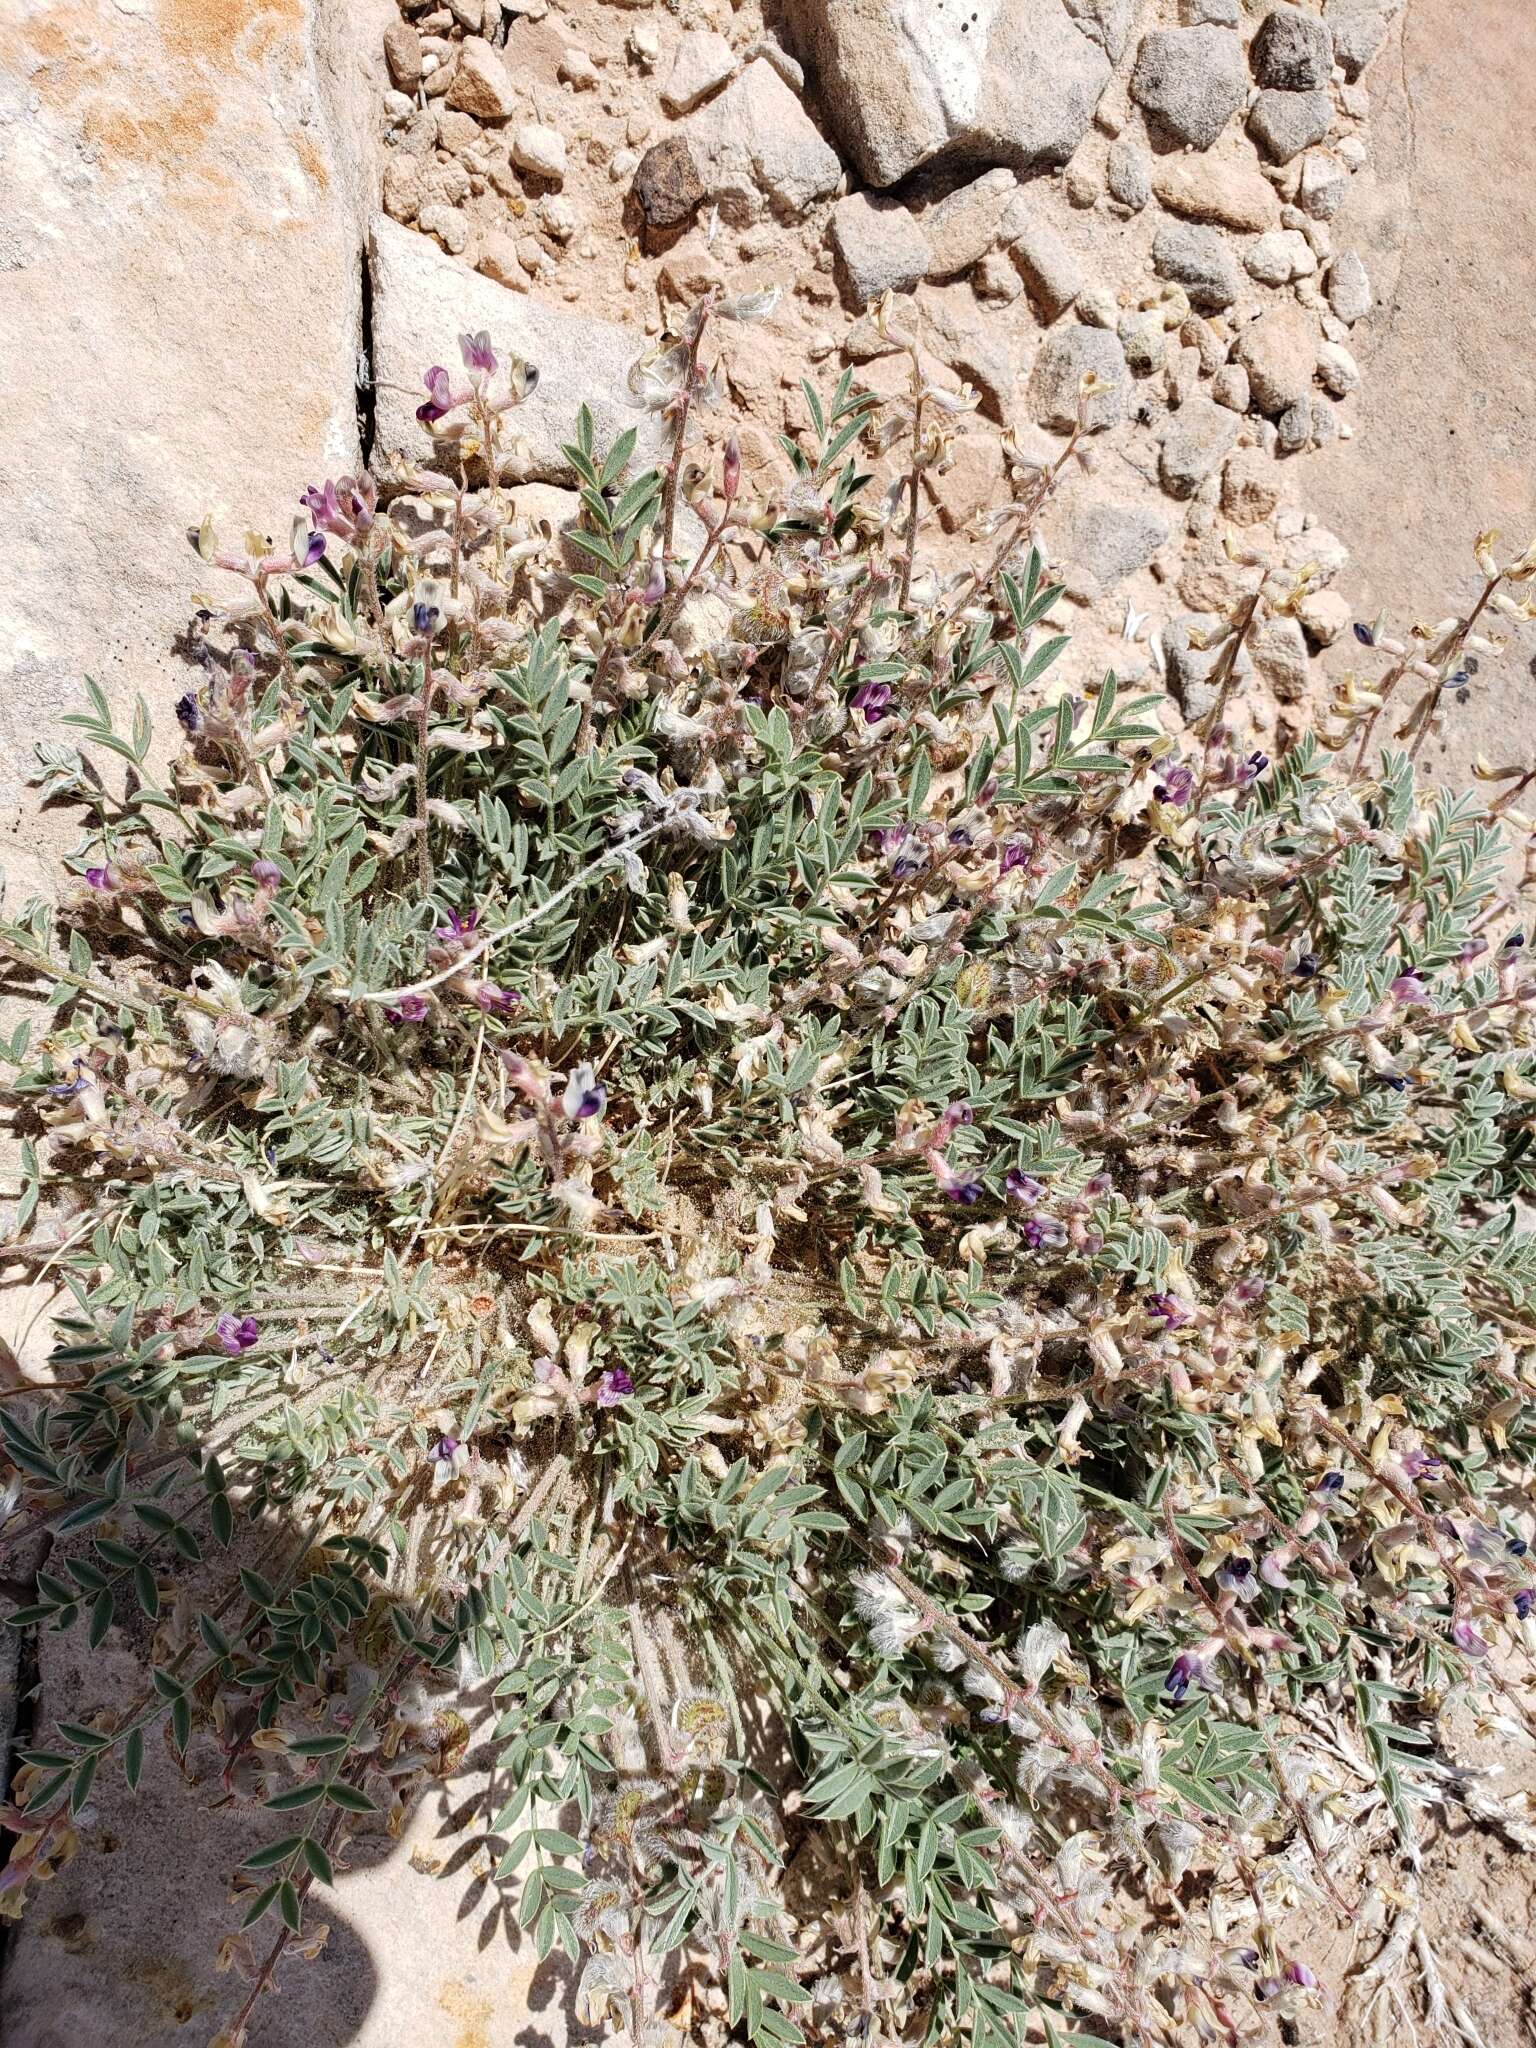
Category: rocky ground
<point>1159,209</point>
<point>1293,243</point>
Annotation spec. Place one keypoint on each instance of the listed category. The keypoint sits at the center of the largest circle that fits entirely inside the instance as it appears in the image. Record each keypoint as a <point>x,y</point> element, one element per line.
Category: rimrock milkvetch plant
<point>912,1269</point>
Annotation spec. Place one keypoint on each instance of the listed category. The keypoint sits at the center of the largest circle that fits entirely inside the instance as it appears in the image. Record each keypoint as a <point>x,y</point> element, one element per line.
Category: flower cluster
<point>686,1118</point>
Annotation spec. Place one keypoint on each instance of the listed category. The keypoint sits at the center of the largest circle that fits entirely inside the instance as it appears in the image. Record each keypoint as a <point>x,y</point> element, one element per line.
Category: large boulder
<point>906,81</point>
<point>183,192</point>
<point>423,301</point>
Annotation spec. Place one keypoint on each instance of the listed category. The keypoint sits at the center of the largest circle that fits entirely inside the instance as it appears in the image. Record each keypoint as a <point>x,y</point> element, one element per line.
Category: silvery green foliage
<point>923,1285</point>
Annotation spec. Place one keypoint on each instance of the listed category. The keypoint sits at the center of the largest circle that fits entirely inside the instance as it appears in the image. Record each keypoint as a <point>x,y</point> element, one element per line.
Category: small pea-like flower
<point>448,1459</point>
<point>101,879</point>
<point>1022,1187</point>
<point>236,1333</point>
<point>1419,1464</point>
<point>872,699</point>
<point>730,468</point>
<point>1331,1482</point>
<point>439,401</point>
<point>425,619</point>
<point>188,712</point>
<point>1176,787</point>
<point>266,874</point>
<point>1043,1233</point>
<point>1249,771</point>
<point>1466,1638</point>
<point>344,508</point>
<point>1237,1576</point>
<point>1364,635</point>
<point>1298,1973</point>
<point>310,548</point>
<point>457,931</point>
<point>1408,988</point>
<point>585,1095</point>
<point>1015,855</point>
<point>1525,1599</point>
<point>409,1010</point>
<point>495,1002</point>
<point>1249,1289</point>
<point>964,1191</point>
<point>1272,1569</point>
<point>477,353</point>
<point>614,1386</point>
<point>1182,1674</point>
<point>1169,1311</point>
<point>654,588</point>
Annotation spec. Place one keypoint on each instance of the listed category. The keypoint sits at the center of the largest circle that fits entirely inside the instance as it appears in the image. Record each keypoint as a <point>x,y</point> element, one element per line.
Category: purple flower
<point>312,550</point>
<point>1408,989</point>
<point>1023,1187</point>
<point>477,352</point>
<point>585,1095</point>
<point>444,1449</point>
<point>1184,1669</point>
<point>1525,1599</point>
<point>1272,1571</point>
<point>323,506</point>
<point>1331,1482</point>
<point>1043,1233</point>
<point>1176,787</point>
<point>613,1387</point>
<point>966,1192</point>
<point>266,873</point>
<point>187,713</point>
<point>100,878</point>
<point>1097,1184</point>
<point>439,396</point>
<point>236,1333</point>
<point>1466,1638</point>
<point>654,588</point>
<point>495,1001</point>
<point>903,850</point>
<point>1015,855</point>
<point>1251,769</point>
<point>424,619</point>
<point>345,508</point>
<point>409,1010</point>
<point>871,699</point>
<point>1364,635</point>
<point>1169,1311</point>
<point>957,1113</point>
<point>1298,1973</point>
<point>1249,1290</point>
<point>458,931</point>
<point>1419,1464</point>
